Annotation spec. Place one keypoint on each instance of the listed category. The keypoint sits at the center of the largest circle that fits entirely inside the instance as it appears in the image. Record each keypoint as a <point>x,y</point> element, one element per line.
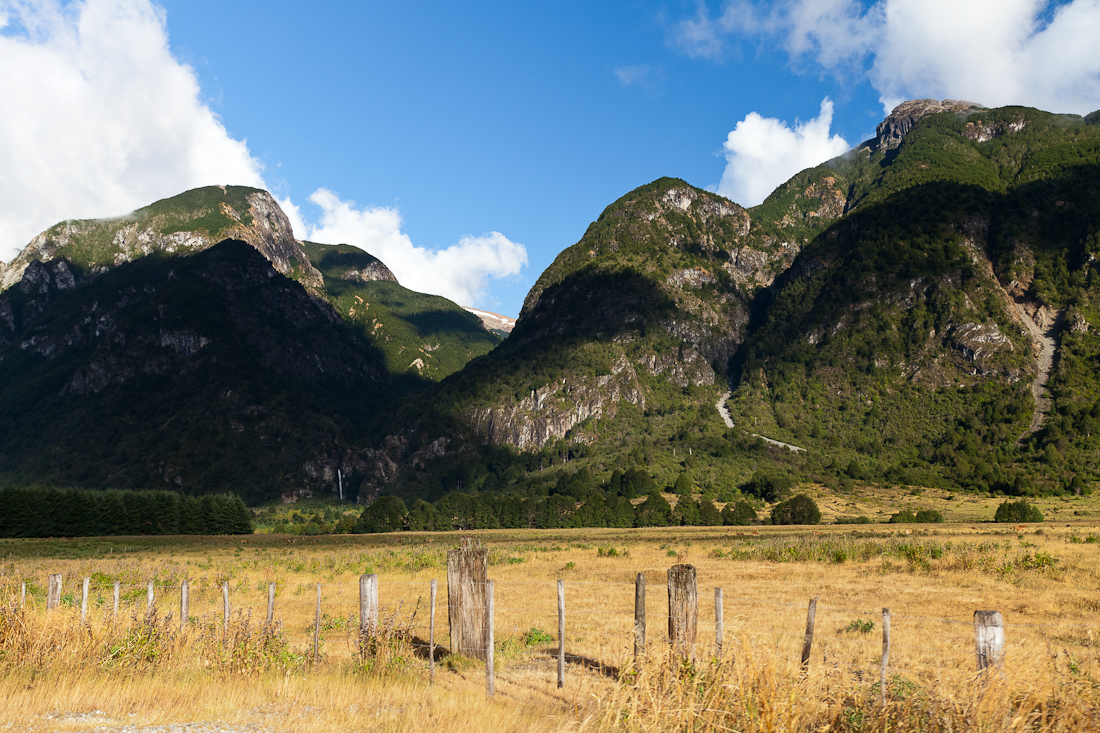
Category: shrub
<point>799,509</point>
<point>739,514</point>
<point>923,516</point>
<point>768,485</point>
<point>1017,511</point>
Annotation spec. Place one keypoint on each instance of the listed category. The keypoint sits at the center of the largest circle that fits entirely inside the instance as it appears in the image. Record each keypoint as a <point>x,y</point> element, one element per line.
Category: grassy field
<point>140,669</point>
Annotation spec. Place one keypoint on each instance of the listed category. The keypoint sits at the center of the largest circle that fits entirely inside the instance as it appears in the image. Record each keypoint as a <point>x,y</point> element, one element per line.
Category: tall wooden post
<point>639,617</point>
<point>368,606</point>
<point>431,637</point>
<point>719,621</point>
<point>683,609</point>
<point>467,598</point>
<point>84,600</point>
<point>149,598</point>
<point>808,641</point>
<point>490,680</point>
<point>185,605</point>
<point>884,666</point>
<point>561,633</point>
<point>317,626</point>
<point>53,591</point>
<point>225,605</point>
<point>270,602</point>
<point>989,638</point>
<point>118,584</point>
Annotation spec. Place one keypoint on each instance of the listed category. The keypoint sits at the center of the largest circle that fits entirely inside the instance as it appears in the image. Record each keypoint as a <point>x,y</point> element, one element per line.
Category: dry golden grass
<point>1043,580</point>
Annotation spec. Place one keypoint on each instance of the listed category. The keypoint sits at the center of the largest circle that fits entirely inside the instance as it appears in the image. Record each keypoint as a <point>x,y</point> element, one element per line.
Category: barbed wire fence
<point>582,626</point>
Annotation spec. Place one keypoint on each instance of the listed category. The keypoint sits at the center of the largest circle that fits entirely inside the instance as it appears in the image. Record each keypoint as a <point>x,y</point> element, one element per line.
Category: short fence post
<point>270,602</point>
<point>317,625</point>
<point>431,638</point>
<point>683,609</point>
<point>225,605</point>
<point>561,633</point>
<point>185,603</point>
<point>639,617</point>
<point>149,598</point>
<point>719,621</point>
<point>490,682</point>
<point>53,591</point>
<point>467,575</point>
<point>23,599</point>
<point>885,652</point>
<point>368,607</point>
<point>84,600</point>
<point>989,638</point>
<point>808,642</point>
<point>118,583</point>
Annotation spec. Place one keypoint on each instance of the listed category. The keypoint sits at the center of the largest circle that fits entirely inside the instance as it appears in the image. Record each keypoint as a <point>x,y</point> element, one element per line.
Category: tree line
<point>52,512</point>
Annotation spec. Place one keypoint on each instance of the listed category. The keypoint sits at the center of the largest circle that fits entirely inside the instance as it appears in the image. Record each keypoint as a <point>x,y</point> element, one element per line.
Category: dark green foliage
<point>49,512</point>
<point>655,511</point>
<point>384,514</point>
<point>799,509</point>
<point>770,486</point>
<point>684,485</point>
<point>709,516</point>
<point>1017,511</point>
<point>686,513</point>
<point>739,514</point>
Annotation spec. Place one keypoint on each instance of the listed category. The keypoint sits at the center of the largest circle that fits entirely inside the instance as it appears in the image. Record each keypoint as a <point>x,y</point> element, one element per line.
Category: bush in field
<point>739,514</point>
<point>923,516</point>
<point>385,514</point>
<point>799,509</point>
<point>768,485</point>
<point>1017,511</point>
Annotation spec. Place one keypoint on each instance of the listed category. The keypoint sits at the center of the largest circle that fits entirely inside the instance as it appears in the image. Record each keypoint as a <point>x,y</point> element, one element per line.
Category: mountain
<point>196,344</point>
<point>918,310</point>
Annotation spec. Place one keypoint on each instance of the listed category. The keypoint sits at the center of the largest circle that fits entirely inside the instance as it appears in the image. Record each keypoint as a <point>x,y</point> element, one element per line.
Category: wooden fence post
<point>23,599</point>
<point>719,620</point>
<point>490,681</point>
<point>431,638</point>
<point>808,642</point>
<point>225,605</point>
<point>467,593</point>
<point>317,626</point>
<point>185,603</point>
<point>117,584</point>
<point>885,652</point>
<point>989,638</point>
<point>84,600</point>
<point>270,603</point>
<point>561,633</point>
<point>683,609</point>
<point>53,591</point>
<point>639,617</point>
<point>149,598</point>
<point>368,607</point>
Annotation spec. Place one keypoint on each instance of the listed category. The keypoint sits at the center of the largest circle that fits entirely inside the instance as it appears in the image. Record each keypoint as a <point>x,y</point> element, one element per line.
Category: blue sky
<point>468,144</point>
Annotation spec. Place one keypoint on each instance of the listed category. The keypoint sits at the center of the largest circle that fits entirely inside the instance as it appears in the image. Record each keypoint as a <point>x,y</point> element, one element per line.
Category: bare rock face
<point>899,122</point>
<point>371,273</point>
<point>264,226</point>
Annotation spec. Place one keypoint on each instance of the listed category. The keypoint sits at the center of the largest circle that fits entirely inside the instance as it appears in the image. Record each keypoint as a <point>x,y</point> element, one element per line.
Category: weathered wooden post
<point>431,638</point>
<point>118,583</point>
<point>989,638</point>
<point>683,609</point>
<point>885,652</point>
<point>561,633</point>
<point>185,603</point>
<point>490,679</point>
<point>368,607</point>
<point>84,600</point>
<point>317,626</point>
<point>719,621</point>
<point>639,617</point>
<point>225,605</point>
<point>23,598</point>
<point>149,598</point>
<point>270,603</point>
<point>808,641</point>
<point>53,591</point>
<point>467,598</point>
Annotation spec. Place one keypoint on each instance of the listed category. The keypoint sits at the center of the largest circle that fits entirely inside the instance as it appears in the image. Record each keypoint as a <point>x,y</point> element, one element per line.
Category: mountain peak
<point>901,120</point>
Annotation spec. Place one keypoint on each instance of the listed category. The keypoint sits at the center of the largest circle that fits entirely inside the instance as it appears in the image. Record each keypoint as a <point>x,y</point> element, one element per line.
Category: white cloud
<point>459,272</point>
<point>761,153</point>
<point>99,118</point>
<point>629,75</point>
<point>995,52</point>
